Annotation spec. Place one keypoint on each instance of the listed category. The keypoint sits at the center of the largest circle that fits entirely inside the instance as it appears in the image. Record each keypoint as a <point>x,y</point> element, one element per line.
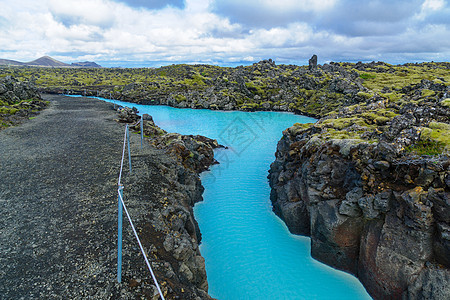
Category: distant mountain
<point>47,61</point>
<point>8,62</point>
<point>86,64</point>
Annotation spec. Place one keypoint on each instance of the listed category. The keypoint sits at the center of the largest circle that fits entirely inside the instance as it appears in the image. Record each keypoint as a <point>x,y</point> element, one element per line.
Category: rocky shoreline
<point>371,207</point>
<point>170,226</point>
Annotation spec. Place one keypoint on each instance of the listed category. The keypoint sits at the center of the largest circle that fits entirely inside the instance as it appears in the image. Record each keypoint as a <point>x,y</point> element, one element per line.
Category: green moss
<point>8,110</point>
<point>439,125</point>
<point>380,120</point>
<point>342,123</point>
<point>427,93</point>
<point>393,97</point>
<point>303,125</point>
<point>250,106</point>
<point>267,103</point>
<point>154,131</point>
<point>298,127</point>
<point>198,79</point>
<point>365,95</point>
<point>375,118</point>
<point>180,98</point>
<point>445,102</point>
<point>437,132</point>
<point>400,76</point>
<point>332,134</point>
<point>387,113</point>
<point>367,76</point>
<point>426,147</point>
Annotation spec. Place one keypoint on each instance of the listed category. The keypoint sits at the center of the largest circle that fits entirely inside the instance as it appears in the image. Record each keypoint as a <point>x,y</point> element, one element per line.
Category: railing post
<point>129,151</point>
<point>142,129</point>
<point>119,235</point>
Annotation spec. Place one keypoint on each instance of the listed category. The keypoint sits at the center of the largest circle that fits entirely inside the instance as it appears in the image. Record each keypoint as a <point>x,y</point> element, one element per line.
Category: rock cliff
<point>372,190</point>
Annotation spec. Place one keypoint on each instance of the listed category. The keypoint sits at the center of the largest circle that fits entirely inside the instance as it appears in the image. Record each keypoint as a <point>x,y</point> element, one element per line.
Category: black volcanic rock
<point>13,91</point>
<point>370,209</point>
<point>193,152</point>
<point>19,101</point>
<point>313,62</point>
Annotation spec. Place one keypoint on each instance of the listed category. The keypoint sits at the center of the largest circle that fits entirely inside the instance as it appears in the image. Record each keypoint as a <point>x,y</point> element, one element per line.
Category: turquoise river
<point>249,251</point>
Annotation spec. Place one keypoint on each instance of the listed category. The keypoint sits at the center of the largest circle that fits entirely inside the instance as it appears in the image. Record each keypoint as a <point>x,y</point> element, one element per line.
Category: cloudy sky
<point>224,32</point>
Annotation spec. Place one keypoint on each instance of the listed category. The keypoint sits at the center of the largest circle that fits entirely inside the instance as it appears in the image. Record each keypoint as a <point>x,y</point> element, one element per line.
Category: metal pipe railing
<point>122,207</point>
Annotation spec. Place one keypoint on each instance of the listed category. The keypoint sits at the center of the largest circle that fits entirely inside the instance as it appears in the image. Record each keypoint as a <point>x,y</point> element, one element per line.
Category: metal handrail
<point>122,206</point>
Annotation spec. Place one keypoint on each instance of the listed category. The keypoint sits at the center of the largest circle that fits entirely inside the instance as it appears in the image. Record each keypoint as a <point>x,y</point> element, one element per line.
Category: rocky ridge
<point>312,90</point>
<point>370,184</point>
<point>261,86</point>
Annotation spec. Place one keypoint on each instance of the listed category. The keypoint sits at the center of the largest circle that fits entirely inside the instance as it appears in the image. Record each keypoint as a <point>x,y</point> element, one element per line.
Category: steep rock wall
<point>369,210</point>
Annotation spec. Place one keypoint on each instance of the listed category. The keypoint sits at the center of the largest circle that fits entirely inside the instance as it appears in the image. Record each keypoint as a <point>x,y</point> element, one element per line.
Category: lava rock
<point>312,63</point>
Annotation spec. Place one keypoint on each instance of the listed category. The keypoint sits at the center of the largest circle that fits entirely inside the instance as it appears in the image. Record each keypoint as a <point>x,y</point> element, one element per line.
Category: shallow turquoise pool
<point>249,252</point>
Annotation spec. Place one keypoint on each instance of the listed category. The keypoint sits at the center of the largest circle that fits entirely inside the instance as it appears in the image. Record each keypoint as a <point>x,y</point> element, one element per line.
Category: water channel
<point>249,251</point>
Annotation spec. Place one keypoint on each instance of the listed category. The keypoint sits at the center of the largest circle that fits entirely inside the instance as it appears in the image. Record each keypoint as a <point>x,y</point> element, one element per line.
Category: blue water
<point>249,251</point>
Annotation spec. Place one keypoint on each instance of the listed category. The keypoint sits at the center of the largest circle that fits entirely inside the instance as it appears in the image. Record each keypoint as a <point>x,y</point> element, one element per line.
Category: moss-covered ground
<point>356,100</point>
<point>14,113</point>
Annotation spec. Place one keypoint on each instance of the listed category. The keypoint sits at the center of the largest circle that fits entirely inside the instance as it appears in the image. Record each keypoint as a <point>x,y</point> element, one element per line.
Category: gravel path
<point>58,203</point>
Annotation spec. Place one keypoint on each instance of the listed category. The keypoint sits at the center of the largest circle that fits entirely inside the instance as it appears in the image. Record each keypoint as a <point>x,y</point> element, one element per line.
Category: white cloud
<point>86,12</point>
<point>293,35</point>
<point>429,7</point>
<point>433,4</point>
<point>290,30</point>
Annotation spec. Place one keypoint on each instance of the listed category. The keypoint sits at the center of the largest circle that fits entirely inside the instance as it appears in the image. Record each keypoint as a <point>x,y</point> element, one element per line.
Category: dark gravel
<point>58,204</point>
